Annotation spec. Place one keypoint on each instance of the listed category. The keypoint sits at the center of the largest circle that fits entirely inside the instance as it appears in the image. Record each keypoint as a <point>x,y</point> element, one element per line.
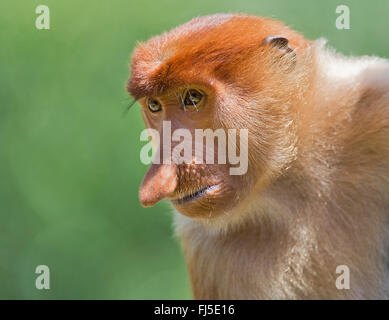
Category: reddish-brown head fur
<point>202,49</point>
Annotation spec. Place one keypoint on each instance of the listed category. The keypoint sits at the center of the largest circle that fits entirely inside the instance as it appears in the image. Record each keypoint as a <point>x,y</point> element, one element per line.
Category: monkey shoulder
<point>358,129</point>
<point>370,112</point>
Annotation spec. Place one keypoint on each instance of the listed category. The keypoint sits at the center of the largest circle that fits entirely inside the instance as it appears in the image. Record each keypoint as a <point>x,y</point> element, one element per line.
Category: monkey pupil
<point>154,106</point>
<point>192,97</point>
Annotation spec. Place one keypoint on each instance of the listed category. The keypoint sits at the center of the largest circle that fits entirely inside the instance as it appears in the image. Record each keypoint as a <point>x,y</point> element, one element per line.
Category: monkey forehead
<point>200,50</point>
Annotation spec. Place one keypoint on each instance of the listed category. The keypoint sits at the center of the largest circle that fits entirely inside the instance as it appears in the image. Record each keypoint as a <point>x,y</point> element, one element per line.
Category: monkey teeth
<point>195,195</point>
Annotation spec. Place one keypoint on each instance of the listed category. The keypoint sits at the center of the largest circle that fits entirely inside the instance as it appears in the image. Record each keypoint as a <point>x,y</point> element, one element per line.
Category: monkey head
<point>220,72</point>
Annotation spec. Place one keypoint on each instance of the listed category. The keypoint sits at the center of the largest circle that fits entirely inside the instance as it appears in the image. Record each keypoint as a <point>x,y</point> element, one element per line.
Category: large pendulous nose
<point>159,181</point>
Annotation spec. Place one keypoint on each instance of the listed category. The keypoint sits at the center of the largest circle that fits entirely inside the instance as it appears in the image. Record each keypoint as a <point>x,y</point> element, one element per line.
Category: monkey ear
<point>282,44</point>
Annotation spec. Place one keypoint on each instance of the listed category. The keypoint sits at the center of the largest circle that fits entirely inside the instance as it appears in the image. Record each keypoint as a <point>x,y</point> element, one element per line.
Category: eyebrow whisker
<point>182,101</point>
<point>128,107</point>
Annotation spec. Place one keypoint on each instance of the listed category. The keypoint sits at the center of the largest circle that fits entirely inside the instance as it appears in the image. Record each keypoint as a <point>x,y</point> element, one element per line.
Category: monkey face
<point>194,167</point>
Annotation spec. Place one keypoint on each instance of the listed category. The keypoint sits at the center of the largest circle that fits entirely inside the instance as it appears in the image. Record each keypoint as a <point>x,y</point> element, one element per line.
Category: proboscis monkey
<point>316,192</point>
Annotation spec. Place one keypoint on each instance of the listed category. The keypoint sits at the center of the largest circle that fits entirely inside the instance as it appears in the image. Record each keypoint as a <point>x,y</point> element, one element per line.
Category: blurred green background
<point>69,161</point>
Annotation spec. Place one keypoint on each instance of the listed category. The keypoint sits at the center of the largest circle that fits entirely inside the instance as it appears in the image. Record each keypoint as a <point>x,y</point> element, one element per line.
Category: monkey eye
<point>154,105</point>
<point>192,98</point>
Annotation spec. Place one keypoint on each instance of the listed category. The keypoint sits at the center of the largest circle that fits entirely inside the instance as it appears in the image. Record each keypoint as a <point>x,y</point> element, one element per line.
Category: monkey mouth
<point>194,195</point>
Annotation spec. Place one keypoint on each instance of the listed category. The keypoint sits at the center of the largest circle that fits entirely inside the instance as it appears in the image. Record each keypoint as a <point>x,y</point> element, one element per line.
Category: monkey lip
<point>195,195</point>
